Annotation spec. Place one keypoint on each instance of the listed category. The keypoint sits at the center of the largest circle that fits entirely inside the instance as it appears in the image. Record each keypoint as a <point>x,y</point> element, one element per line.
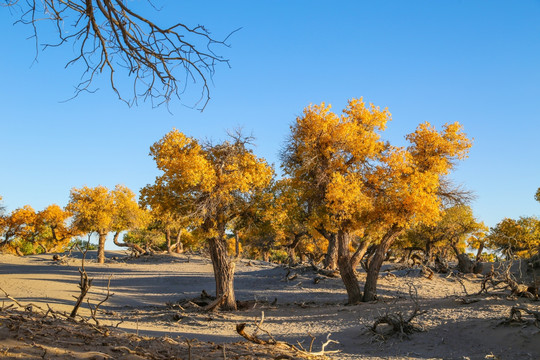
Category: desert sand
<point>150,312</point>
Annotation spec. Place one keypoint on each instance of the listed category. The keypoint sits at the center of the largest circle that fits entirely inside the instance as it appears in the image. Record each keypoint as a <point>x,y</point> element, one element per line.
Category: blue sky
<point>476,62</point>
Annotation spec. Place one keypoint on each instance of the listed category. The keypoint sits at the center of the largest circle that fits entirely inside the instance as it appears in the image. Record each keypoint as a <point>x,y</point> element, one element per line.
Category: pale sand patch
<point>143,287</point>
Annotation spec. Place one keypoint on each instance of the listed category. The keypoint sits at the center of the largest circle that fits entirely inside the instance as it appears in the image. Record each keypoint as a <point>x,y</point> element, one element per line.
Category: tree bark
<point>101,247</point>
<point>236,245</point>
<point>346,270</point>
<point>223,272</point>
<point>359,253</point>
<point>479,252</point>
<point>331,258</point>
<point>168,239</point>
<point>136,248</point>
<point>370,288</point>
<point>291,248</point>
<point>465,264</point>
<point>179,247</point>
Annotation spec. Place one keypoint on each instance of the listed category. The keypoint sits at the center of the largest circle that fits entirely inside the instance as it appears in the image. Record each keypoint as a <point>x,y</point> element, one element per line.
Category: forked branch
<point>108,36</point>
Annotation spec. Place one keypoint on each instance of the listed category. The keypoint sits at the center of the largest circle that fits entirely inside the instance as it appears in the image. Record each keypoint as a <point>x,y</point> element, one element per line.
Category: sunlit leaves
<point>351,177</point>
<point>206,183</point>
<point>519,238</point>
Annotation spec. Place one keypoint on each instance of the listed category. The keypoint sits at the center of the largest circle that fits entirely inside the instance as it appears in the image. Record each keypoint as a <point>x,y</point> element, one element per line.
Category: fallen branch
<point>215,304</point>
<point>399,324</point>
<point>241,330</point>
<point>516,316</point>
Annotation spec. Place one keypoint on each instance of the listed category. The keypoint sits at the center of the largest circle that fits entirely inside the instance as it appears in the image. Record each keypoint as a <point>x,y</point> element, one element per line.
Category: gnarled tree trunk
<point>331,258</point>
<point>168,239</point>
<point>370,288</point>
<point>346,270</point>
<point>359,253</point>
<point>223,273</point>
<point>179,247</point>
<point>136,248</point>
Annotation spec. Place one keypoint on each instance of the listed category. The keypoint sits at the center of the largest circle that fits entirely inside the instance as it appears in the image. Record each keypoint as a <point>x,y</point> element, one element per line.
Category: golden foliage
<point>210,182</point>
<point>352,179</point>
<point>519,238</point>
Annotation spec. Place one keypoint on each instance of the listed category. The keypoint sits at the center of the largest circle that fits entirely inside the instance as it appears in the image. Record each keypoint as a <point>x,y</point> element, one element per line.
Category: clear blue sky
<point>476,62</point>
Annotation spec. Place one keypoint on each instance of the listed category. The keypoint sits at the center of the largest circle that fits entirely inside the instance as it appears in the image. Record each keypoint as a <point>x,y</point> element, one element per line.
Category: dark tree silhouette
<point>108,36</point>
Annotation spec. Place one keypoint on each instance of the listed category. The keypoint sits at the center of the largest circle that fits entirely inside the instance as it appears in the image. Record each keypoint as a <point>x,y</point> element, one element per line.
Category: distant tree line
<point>348,198</point>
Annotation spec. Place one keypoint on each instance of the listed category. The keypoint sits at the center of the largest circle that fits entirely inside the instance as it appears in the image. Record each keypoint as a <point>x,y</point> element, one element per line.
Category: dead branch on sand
<point>516,317</point>
<point>309,354</point>
<point>397,323</point>
<point>84,286</point>
<point>94,310</point>
<point>503,279</point>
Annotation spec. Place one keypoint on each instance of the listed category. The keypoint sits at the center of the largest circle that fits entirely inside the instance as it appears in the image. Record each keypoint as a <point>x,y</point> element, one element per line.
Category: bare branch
<point>110,37</point>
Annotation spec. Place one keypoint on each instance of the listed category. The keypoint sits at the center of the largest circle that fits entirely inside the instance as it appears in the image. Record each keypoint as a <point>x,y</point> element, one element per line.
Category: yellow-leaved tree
<point>18,228</point>
<point>167,213</point>
<point>53,225</point>
<point>516,238</point>
<point>358,184</point>
<point>102,211</point>
<point>211,182</point>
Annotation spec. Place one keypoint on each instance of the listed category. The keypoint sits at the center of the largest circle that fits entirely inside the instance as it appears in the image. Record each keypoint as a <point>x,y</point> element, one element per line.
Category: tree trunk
<point>359,253</point>
<point>479,252</point>
<point>223,273</point>
<point>101,247</point>
<point>331,258</point>
<point>291,248</point>
<point>266,255</point>
<point>136,248</point>
<point>168,239</point>
<point>346,270</point>
<point>370,288</point>
<point>179,247</point>
<point>465,264</point>
<point>236,245</point>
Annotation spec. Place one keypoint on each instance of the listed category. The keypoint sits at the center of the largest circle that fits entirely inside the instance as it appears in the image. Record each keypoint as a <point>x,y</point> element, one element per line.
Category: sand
<point>151,293</point>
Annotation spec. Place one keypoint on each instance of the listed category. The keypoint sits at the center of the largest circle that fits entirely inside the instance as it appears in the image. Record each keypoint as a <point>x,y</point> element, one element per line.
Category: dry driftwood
<point>502,279</point>
<point>241,330</point>
<point>397,322</point>
<point>516,316</point>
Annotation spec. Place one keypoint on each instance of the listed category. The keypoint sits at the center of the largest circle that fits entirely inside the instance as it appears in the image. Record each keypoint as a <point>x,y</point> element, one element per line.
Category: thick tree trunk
<point>223,273</point>
<point>346,270</point>
<point>359,253</point>
<point>331,258</point>
<point>179,247</point>
<point>101,247</point>
<point>168,239</point>
<point>370,288</point>
<point>465,264</point>
<point>266,255</point>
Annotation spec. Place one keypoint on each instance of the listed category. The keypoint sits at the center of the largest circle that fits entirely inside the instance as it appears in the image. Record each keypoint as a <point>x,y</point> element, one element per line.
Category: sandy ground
<point>148,292</point>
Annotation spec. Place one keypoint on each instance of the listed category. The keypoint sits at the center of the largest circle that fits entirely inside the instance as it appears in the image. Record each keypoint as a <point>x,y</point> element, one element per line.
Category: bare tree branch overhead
<point>110,37</point>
